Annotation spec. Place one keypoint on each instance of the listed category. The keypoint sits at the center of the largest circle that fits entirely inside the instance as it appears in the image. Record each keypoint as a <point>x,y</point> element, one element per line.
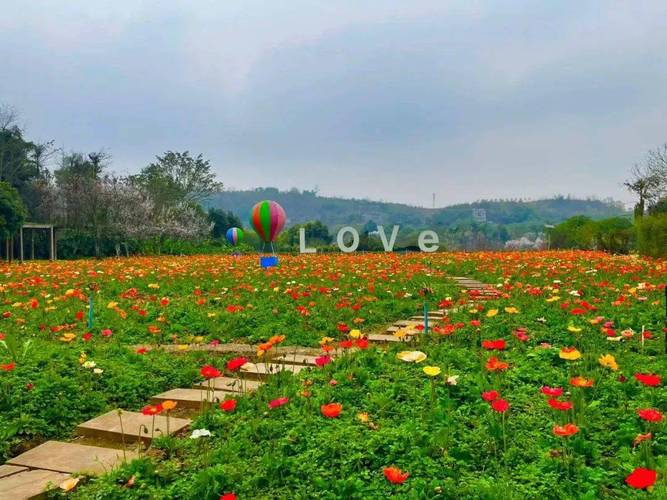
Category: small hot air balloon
<point>234,235</point>
<point>267,218</point>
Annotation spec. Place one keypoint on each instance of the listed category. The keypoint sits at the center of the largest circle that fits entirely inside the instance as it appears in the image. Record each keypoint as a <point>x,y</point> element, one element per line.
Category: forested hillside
<point>302,206</point>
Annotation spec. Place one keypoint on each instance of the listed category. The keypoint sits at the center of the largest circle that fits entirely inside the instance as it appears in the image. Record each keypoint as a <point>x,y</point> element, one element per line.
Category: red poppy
<point>323,360</point>
<point>641,478</point>
<point>343,328</point>
<point>209,371</point>
<point>278,402</point>
<point>8,367</point>
<point>500,405</point>
<point>494,345</point>
<point>650,380</point>
<point>332,410</point>
<point>228,405</point>
<point>107,332</point>
<point>560,405</point>
<point>228,496</point>
<point>236,363</point>
<point>490,395</point>
<point>141,350</point>
<point>87,336</point>
<point>362,343</point>
<point>551,391</point>
<point>152,410</point>
<point>395,475</point>
<point>345,344</point>
<point>565,430</point>
<point>650,415</point>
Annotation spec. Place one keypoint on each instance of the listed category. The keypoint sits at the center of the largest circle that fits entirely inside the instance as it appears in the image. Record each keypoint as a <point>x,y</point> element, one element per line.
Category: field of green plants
<point>553,388</point>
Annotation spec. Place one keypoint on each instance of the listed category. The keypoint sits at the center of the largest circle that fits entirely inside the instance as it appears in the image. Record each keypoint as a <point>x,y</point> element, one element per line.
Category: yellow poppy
<point>362,417</point>
<point>491,313</point>
<point>355,334</point>
<point>511,310</point>
<point>153,285</point>
<point>608,361</point>
<point>573,329</point>
<point>400,333</point>
<point>69,484</point>
<point>68,337</point>
<point>553,299</point>
<point>432,371</point>
<point>411,356</point>
<point>112,305</point>
<point>569,353</point>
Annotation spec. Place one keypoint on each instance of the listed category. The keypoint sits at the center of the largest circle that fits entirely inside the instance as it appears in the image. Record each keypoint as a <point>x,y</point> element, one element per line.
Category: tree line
<point>97,211</point>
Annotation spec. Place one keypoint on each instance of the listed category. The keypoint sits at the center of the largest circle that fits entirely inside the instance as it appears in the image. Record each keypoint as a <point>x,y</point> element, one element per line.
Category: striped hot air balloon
<point>267,218</point>
<point>234,235</point>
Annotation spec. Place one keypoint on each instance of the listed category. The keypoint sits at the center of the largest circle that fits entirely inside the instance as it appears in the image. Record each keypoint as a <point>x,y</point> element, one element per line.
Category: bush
<point>652,235</point>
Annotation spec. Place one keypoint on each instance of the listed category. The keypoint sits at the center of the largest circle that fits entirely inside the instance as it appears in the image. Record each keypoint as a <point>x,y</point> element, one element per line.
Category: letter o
<point>340,239</point>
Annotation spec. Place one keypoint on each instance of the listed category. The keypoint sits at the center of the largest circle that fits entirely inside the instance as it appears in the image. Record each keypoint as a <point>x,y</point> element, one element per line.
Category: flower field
<point>553,388</point>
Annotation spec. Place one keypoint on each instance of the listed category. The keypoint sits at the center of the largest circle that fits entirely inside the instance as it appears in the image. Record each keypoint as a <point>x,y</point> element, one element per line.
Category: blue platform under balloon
<point>268,261</point>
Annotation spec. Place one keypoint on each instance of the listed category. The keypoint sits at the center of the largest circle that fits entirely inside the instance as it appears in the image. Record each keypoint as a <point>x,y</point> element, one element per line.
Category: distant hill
<point>302,206</point>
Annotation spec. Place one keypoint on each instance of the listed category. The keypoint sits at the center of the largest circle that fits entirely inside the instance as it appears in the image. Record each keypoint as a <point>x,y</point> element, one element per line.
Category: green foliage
<point>222,221</point>
<point>317,235</point>
<point>176,178</point>
<point>614,235</point>
<point>12,210</point>
<point>652,235</point>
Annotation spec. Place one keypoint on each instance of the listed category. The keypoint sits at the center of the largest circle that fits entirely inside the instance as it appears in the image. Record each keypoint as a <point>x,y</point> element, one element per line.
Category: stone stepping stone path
<point>191,398</point>
<point>48,465</point>
<point>30,484</point>
<point>8,470</point>
<point>297,359</point>
<point>477,289</point>
<point>135,426</point>
<point>71,457</point>
<point>258,371</point>
<point>229,384</point>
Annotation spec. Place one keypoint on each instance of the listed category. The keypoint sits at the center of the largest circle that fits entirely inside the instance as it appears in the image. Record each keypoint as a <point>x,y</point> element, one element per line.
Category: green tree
<point>177,178</point>
<point>317,234</point>
<point>652,235</point>
<point>614,235</point>
<point>222,221</point>
<point>12,210</point>
<point>22,163</point>
<point>575,232</point>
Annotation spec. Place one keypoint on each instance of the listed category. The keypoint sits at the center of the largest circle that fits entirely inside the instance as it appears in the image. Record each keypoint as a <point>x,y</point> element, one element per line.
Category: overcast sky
<point>376,99</point>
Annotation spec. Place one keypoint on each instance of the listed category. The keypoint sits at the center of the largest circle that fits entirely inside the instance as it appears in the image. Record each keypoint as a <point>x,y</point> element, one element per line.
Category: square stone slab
<point>191,398</point>
<point>297,359</point>
<point>71,457</point>
<point>376,337</point>
<point>29,484</point>
<point>8,470</point>
<point>229,384</point>
<point>261,370</point>
<point>107,426</point>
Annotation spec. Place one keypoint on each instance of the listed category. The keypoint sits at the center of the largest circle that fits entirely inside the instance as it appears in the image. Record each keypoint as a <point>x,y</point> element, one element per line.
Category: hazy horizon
<point>381,100</point>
